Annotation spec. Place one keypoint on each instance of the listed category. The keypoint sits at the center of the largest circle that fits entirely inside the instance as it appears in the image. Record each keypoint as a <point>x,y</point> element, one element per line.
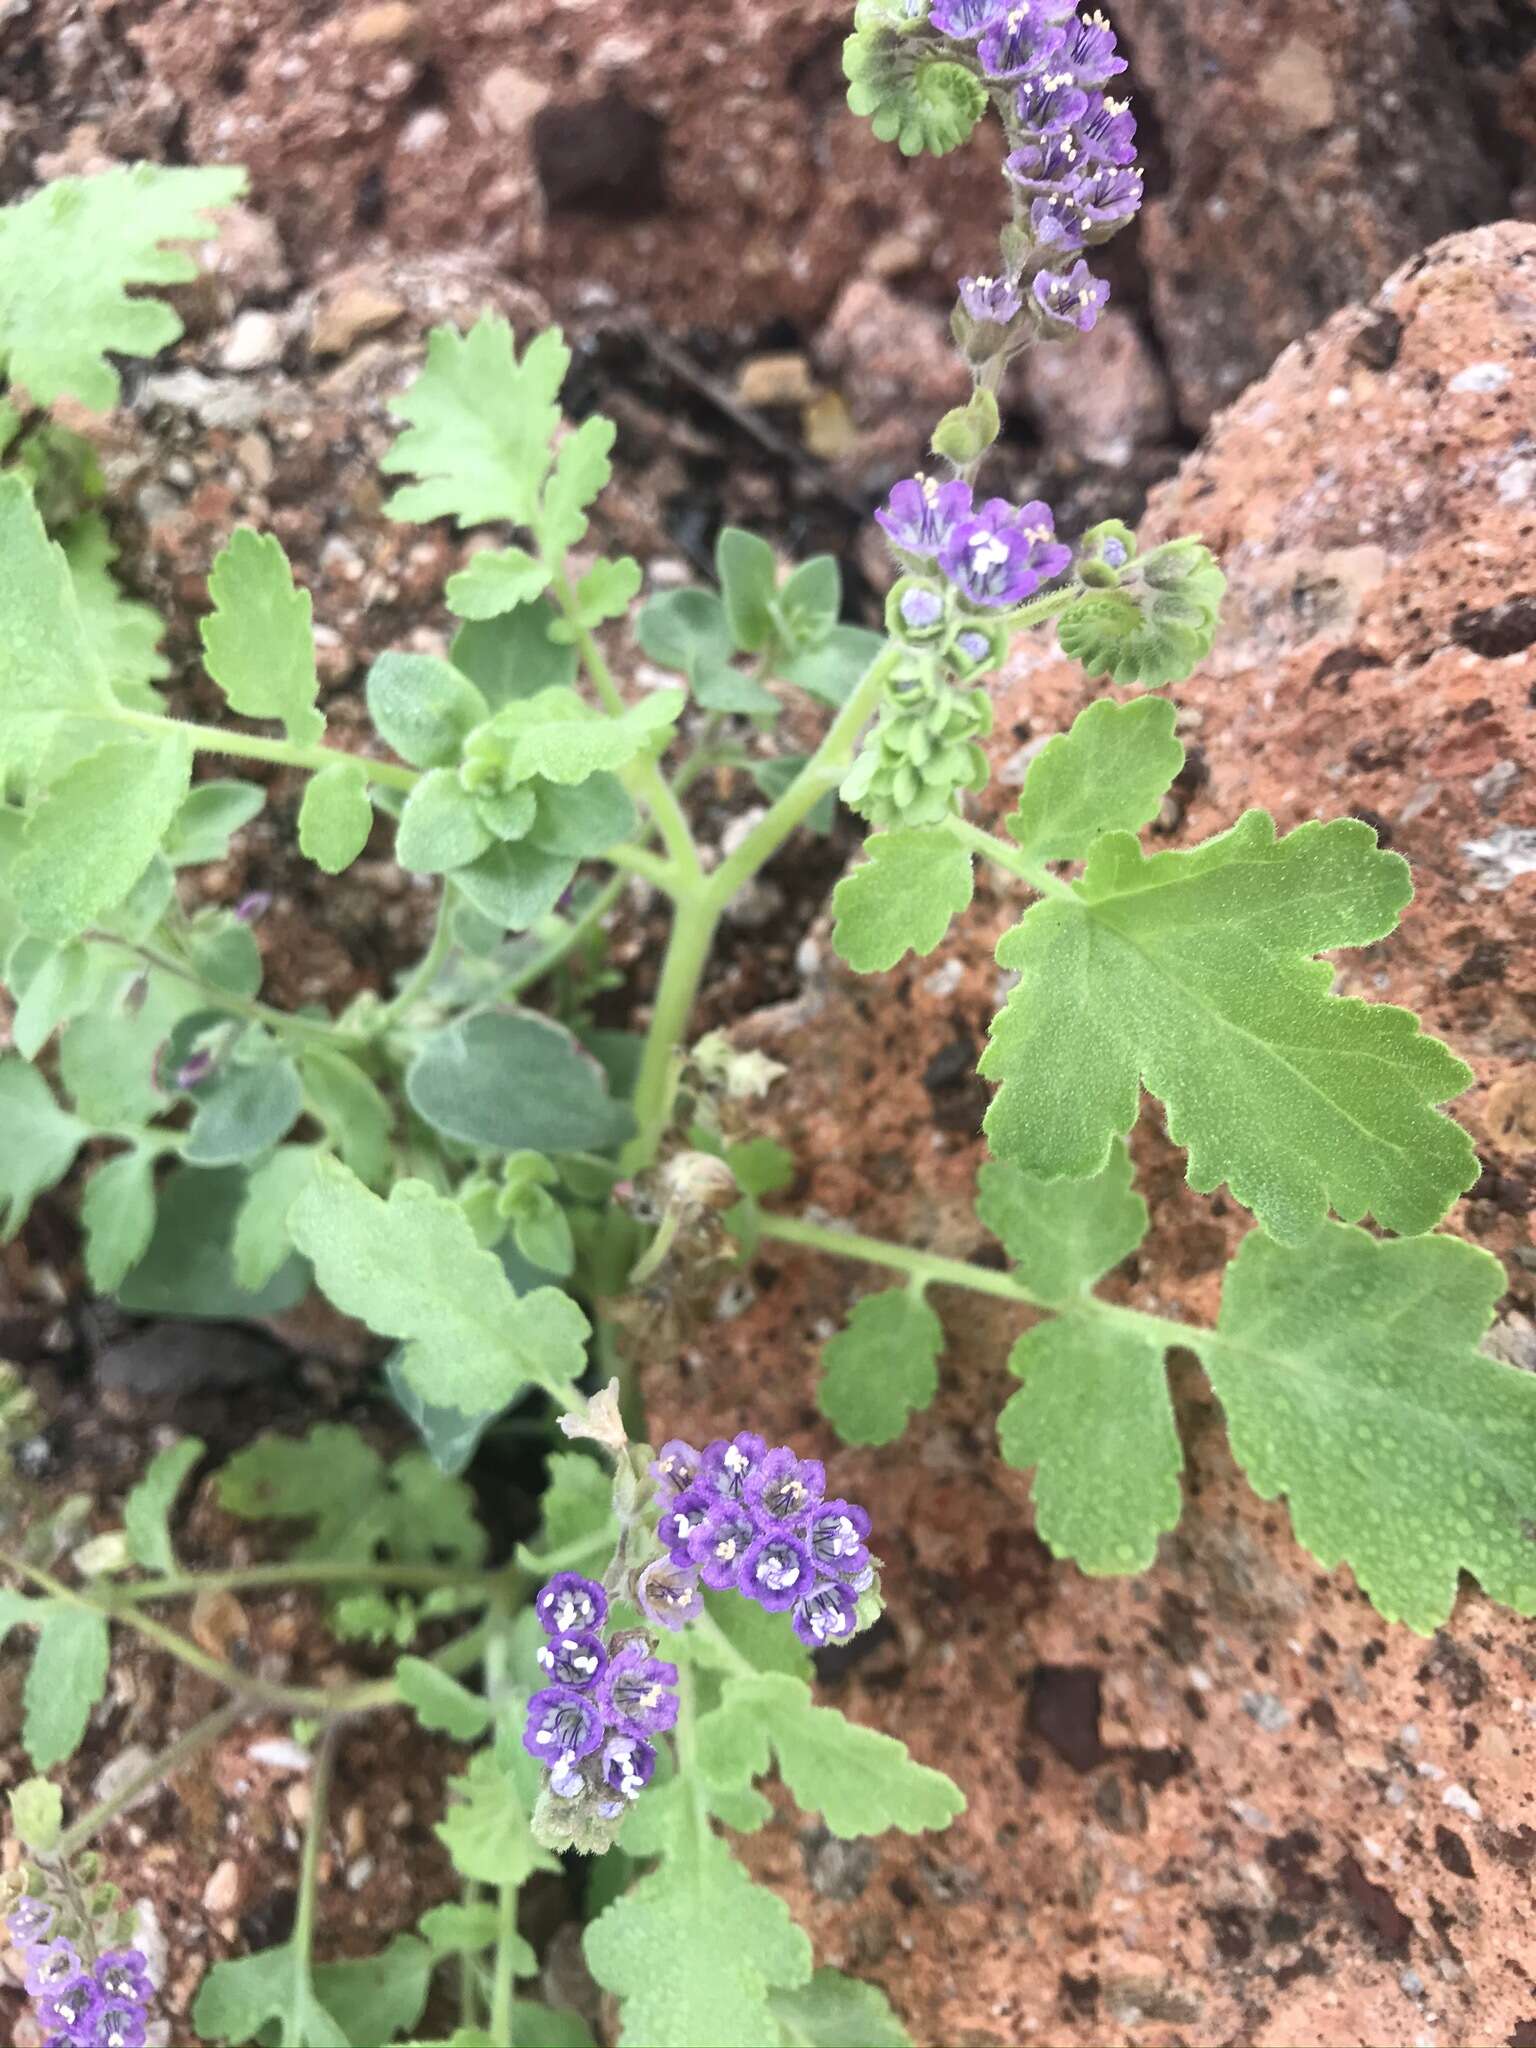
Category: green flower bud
<point>964,435</point>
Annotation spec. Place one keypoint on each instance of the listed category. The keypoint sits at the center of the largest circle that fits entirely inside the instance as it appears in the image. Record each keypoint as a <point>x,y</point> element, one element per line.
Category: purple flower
<point>1076,296</point>
<point>720,1546</point>
<point>1107,131</point>
<point>679,1521</point>
<point>73,2009</point>
<point>1020,44</point>
<point>1107,196</point>
<point>193,1070</point>
<point>1059,221</point>
<point>51,1965</point>
<point>562,1725</point>
<point>785,1488</point>
<point>825,1615</point>
<point>838,1539</point>
<point>675,1468</point>
<point>252,908</point>
<point>776,1571</point>
<point>30,1921</point>
<point>1002,556</point>
<point>921,609</point>
<point>919,514</point>
<point>965,19</point>
<point>627,1765</point>
<point>990,298</point>
<point>728,1466</point>
<point>1053,104</point>
<point>668,1594</point>
<point>1050,162</point>
<point>122,1976</point>
<point>574,1661</point>
<point>636,1693</point>
<point>1091,53</point>
<point>570,1604</point>
<point>567,1781</point>
<point>120,2026</point>
<point>974,646</point>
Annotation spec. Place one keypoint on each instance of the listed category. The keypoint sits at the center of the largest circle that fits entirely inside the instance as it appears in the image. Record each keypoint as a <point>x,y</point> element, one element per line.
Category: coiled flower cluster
<point>101,2002</point>
<point>592,1727</point>
<point>745,1519</point>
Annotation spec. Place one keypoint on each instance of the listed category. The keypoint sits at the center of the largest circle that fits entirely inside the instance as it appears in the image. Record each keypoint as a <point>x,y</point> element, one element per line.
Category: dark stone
<point>1501,629</point>
<point>1378,1911</point>
<point>1453,1853</point>
<point>601,157</point>
<point>1377,343</point>
<point>1065,1701</point>
<point>176,1359</point>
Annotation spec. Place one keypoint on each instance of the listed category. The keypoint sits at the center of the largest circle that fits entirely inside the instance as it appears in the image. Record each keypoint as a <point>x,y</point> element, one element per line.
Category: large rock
<point>1224,1801</point>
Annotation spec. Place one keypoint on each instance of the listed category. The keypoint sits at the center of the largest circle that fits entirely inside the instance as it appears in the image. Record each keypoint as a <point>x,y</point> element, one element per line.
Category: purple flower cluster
<point>1074,159</point>
<point>746,1519</point>
<point>592,1727</point>
<point>995,555</point>
<point>104,2004</point>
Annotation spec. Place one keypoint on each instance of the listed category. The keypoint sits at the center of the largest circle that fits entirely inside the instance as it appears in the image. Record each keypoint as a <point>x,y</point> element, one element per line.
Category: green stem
<point>638,860</point>
<point>741,1667</point>
<point>215,739</point>
<point>421,977</point>
<point>309,1864</point>
<point>502,1977</point>
<point>250,1578</point>
<point>1010,858</point>
<point>567,941</point>
<point>651,785</point>
<point>309,1028</point>
<point>158,1771</point>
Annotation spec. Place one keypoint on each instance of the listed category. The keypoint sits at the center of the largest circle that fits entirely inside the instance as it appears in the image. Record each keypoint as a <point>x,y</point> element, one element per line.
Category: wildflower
<point>627,1765</point>
<point>562,1726</point>
<point>575,1660</point>
<point>997,299</point>
<point>718,1548</point>
<point>570,1603</point>
<point>785,1488</point>
<point>776,1571</point>
<point>1106,131</point>
<point>122,1975</point>
<point>965,20</point>
<point>727,1466</point>
<point>921,609</point>
<point>51,1965</point>
<point>1003,555</point>
<point>1020,44</point>
<point>826,1614</point>
<point>73,2008</point>
<point>674,1468</point>
<point>636,1695</point>
<point>837,1538</point>
<point>31,1921</point>
<point>668,1594</point>
<point>1052,105</point>
<point>1090,51</point>
<point>1075,297</point>
<point>920,513</point>
<point>679,1521</point>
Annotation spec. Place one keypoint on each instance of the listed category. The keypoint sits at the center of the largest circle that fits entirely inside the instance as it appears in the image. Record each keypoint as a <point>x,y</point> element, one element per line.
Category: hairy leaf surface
<point>1110,773</point>
<point>1063,1235</point>
<point>881,1367</point>
<point>901,899</point>
<point>258,644</point>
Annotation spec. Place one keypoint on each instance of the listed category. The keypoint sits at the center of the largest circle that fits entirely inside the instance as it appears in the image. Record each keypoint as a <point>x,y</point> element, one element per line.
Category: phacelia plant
<point>518,1201</point>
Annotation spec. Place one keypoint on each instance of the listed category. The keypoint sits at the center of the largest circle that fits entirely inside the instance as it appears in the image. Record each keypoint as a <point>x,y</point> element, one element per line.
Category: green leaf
<point>222,949</point>
<point>449,1437</point>
<point>188,1269</point>
<point>257,642</point>
<point>542,1233</point>
<point>901,899</point>
<point>245,2000</point>
<point>881,1367</point>
<point>243,1112</point>
<point>358,1505</point>
<point>440,1702</point>
<point>541,2026</point>
<point>767,1641</point>
<point>1110,773</point>
<point>124,635</point>
<point>335,817</point>
<point>463,1930</point>
<point>356,1117</point>
<point>1063,1235</point>
<point>210,815</point>
<point>857,1779</point>
<point>578,1514</point>
<point>1095,1418</point>
<point>95,832</point>
<point>663,1948</point>
<point>515,886</point>
<point>261,1241</point>
<point>1190,974</point>
<point>834,2011</point>
<point>479,426</point>
<point>585,820</point>
<point>831,672</point>
<point>496,581</point>
<point>581,471</point>
<point>66,256</point>
<point>761,1166</point>
<point>607,591</point>
<point>47,661</point>
<point>810,601</point>
<point>37,1814</point>
<point>147,1510</point>
<point>118,1215</point>
<point>423,708</point>
<point>373,1997</point>
<point>559,737</point>
<point>486,1830</point>
<point>410,1269</point>
<point>1352,1383</point>
<point>51,986</point>
<point>440,827</point>
<point>68,1674</point>
<point>509,1081</point>
<point>733,691</point>
<point>41,1141</point>
<point>513,657</point>
<point>685,630</point>
<point>749,578</point>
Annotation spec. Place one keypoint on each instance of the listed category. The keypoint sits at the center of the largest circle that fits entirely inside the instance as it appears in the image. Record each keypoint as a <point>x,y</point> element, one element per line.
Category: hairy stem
<point>215,739</point>
<point>421,977</point>
<point>158,1771</point>
<point>309,1865</point>
<point>308,1028</point>
<point>501,1969</point>
<point>1010,859</point>
<point>250,1578</point>
<point>566,942</point>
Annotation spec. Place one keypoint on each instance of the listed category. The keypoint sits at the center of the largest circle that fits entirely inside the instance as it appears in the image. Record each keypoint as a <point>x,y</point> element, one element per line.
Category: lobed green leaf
<point>1063,1235</point>
<point>1110,773</point>
<point>881,1367</point>
<point>901,899</point>
<point>258,644</point>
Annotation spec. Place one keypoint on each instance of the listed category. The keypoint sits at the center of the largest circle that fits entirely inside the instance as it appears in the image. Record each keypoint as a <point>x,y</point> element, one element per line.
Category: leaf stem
<point>421,977</point>
<point>158,1771</point>
<point>218,998</point>
<point>1010,858</point>
<point>249,746</point>
<point>566,942</point>
<point>251,1578</point>
<point>501,1969</point>
<point>309,1866</point>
